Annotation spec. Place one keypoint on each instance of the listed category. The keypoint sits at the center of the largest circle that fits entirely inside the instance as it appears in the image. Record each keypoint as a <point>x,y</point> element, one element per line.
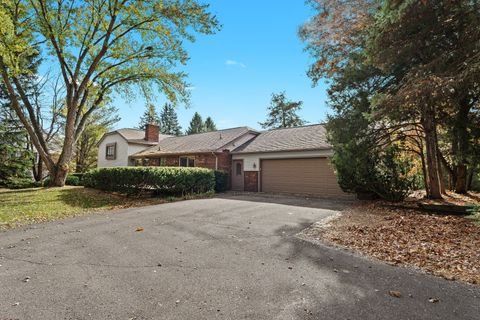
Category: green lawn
<point>18,207</point>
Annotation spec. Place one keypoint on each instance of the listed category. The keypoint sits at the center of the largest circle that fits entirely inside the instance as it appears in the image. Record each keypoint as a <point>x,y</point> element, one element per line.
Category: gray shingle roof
<point>137,136</point>
<point>196,143</point>
<point>312,137</point>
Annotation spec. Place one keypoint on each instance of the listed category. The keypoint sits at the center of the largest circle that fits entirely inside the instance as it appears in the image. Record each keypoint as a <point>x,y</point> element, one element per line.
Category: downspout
<point>216,160</point>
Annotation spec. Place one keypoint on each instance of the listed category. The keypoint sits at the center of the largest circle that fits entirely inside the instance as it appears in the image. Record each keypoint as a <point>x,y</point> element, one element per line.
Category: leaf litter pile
<point>446,246</point>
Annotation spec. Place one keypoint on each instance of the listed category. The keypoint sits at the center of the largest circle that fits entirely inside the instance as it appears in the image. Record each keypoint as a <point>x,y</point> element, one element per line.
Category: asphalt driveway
<point>235,257</point>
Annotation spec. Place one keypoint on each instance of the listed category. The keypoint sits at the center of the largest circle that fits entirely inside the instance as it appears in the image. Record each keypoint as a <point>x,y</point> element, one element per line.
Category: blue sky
<point>234,72</point>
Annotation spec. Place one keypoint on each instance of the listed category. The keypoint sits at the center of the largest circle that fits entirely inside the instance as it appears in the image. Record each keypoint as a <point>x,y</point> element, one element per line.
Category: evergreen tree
<point>15,158</point>
<point>196,124</point>
<point>150,116</point>
<point>282,113</point>
<point>169,121</point>
<point>210,125</point>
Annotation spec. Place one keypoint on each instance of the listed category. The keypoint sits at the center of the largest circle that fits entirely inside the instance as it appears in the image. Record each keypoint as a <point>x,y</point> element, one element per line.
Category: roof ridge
<point>193,134</point>
<point>296,127</point>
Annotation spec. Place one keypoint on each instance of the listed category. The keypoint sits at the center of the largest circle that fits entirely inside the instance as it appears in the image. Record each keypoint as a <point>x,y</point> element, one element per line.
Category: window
<point>187,162</point>
<point>238,169</point>
<point>111,151</point>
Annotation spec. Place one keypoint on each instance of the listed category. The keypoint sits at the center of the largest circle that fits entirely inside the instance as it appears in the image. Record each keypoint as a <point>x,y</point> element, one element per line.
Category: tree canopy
<point>169,121</point>
<point>150,116</point>
<point>99,47</point>
<point>283,113</point>
<point>404,77</point>
<point>196,124</point>
<point>210,125</point>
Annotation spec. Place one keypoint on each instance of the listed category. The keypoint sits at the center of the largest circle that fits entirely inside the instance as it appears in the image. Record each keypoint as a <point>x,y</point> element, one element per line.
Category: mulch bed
<point>446,246</point>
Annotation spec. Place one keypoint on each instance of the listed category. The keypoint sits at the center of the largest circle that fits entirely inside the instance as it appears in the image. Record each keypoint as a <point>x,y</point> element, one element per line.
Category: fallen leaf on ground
<point>139,229</point>
<point>396,294</point>
<point>445,246</point>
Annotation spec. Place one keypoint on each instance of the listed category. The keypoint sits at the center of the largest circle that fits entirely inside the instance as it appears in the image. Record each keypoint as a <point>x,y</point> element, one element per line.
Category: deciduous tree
<point>99,47</point>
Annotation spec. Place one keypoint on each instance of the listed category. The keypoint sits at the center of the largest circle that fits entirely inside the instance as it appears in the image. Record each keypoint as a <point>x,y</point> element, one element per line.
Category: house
<point>290,160</point>
<point>116,147</point>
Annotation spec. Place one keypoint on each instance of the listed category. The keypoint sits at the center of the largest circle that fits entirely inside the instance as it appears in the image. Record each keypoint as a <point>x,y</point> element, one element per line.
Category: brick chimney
<point>151,132</point>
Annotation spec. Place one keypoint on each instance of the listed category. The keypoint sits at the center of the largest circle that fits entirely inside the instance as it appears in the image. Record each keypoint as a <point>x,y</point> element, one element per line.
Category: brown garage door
<point>313,176</point>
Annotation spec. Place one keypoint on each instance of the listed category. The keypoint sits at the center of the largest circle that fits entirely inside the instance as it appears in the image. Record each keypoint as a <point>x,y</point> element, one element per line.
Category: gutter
<point>216,160</point>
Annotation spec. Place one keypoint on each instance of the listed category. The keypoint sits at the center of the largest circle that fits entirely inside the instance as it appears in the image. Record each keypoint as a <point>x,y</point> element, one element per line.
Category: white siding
<point>124,150</point>
<point>254,158</point>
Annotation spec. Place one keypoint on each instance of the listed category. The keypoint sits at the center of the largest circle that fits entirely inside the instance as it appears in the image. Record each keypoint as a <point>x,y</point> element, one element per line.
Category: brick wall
<point>202,160</point>
<point>151,132</point>
<point>250,181</point>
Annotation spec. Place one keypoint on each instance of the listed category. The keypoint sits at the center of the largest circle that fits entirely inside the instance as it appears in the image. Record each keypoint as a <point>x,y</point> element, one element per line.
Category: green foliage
<point>22,183</point>
<point>364,160</point>
<point>165,180</point>
<point>99,123</point>
<point>282,113</point>
<point>210,125</point>
<point>15,159</point>
<point>221,181</point>
<point>169,121</point>
<point>71,180</point>
<point>100,49</point>
<point>361,168</point>
<point>474,214</point>
<point>196,124</point>
<point>150,116</point>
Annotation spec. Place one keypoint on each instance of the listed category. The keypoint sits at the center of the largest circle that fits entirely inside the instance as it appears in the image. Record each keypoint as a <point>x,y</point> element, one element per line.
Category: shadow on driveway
<point>298,201</point>
<point>362,286</point>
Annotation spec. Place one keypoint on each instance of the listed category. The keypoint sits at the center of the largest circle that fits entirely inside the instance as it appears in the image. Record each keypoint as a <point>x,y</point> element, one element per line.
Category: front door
<point>237,175</point>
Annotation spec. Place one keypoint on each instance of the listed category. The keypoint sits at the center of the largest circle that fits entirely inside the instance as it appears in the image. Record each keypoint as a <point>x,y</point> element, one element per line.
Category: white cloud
<point>235,63</point>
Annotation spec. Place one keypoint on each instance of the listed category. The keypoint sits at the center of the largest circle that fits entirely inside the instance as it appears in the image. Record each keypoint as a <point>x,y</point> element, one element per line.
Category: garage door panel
<point>306,176</point>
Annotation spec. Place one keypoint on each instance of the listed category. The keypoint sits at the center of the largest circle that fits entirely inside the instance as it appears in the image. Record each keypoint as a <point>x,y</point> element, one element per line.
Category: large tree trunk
<point>462,179</point>
<point>429,126</point>
<point>58,176</point>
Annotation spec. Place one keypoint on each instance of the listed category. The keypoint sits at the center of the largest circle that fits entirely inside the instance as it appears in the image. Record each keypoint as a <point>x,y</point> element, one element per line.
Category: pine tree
<point>282,113</point>
<point>15,158</point>
<point>150,116</point>
<point>169,121</point>
<point>196,124</point>
<point>210,125</point>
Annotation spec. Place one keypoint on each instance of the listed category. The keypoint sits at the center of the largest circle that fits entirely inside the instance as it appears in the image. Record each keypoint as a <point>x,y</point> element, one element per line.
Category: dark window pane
<point>183,162</point>
<point>238,169</point>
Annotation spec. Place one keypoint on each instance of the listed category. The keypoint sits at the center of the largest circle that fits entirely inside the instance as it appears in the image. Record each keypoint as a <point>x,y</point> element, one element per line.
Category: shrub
<point>77,174</point>
<point>221,181</point>
<point>22,183</point>
<point>166,180</point>
<point>71,180</point>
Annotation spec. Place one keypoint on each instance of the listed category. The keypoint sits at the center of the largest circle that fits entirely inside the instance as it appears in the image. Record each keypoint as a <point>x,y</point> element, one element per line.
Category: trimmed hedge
<point>168,180</point>
<point>221,181</point>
